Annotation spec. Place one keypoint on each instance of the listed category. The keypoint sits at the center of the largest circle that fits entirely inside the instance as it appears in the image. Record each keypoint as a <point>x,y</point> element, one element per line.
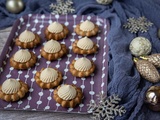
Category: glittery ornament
<point>152,98</point>
<point>62,7</point>
<point>14,6</point>
<point>106,108</point>
<point>158,33</point>
<point>135,25</point>
<point>147,70</point>
<point>154,59</point>
<point>140,46</point>
<point>104,2</point>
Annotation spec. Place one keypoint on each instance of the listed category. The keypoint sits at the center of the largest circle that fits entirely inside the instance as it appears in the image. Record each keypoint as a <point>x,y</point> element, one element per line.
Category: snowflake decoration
<point>106,108</point>
<point>140,24</point>
<point>62,7</point>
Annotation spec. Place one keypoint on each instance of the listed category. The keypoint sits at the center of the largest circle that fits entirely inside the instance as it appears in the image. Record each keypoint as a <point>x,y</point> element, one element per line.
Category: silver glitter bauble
<point>152,98</point>
<point>147,70</point>
<point>104,2</point>
<point>140,46</point>
<point>159,33</point>
<point>14,6</point>
<point>154,59</point>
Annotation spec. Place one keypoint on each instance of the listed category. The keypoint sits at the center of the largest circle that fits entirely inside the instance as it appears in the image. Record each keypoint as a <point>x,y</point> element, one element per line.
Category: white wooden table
<point>30,115</point>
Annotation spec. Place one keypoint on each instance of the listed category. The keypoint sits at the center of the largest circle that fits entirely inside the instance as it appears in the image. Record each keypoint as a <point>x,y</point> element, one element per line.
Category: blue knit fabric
<point>124,79</point>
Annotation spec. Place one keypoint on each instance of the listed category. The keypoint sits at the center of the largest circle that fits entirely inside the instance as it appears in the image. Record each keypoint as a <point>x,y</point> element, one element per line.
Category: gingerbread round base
<point>77,73</point>
<point>54,56</point>
<point>87,28</point>
<point>23,65</point>
<point>78,50</point>
<point>48,85</point>
<point>56,36</point>
<point>65,101</point>
<point>14,96</point>
<point>28,45</point>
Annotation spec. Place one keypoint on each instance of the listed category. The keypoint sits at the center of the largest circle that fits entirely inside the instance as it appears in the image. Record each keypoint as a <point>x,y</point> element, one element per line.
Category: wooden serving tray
<point>39,99</point>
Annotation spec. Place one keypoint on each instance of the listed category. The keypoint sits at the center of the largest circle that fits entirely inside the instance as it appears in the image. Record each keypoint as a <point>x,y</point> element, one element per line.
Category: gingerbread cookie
<point>12,90</point>
<point>48,78</point>
<point>56,31</point>
<point>23,59</point>
<point>87,28</point>
<point>68,95</point>
<point>84,46</point>
<point>27,39</point>
<point>82,67</point>
<point>53,50</point>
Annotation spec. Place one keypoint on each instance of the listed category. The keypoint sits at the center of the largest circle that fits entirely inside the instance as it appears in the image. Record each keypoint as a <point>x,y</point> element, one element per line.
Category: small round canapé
<point>23,59</point>
<point>48,78</point>
<point>56,31</point>
<point>84,46</point>
<point>53,50</point>
<point>82,67</point>
<point>28,39</point>
<point>68,95</point>
<point>87,28</point>
<point>12,90</point>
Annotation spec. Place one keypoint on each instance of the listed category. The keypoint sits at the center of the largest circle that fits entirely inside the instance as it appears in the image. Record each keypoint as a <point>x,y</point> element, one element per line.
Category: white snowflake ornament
<point>143,24</point>
<point>62,7</point>
<point>140,24</point>
<point>106,108</point>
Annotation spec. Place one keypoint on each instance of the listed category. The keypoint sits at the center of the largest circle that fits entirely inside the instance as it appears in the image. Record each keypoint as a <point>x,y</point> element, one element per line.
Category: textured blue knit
<point>124,79</point>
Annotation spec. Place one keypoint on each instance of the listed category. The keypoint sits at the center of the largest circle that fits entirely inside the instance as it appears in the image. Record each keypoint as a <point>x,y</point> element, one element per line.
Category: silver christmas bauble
<point>159,33</point>
<point>152,98</point>
<point>104,2</point>
<point>140,46</point>
<point>14,6</point>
